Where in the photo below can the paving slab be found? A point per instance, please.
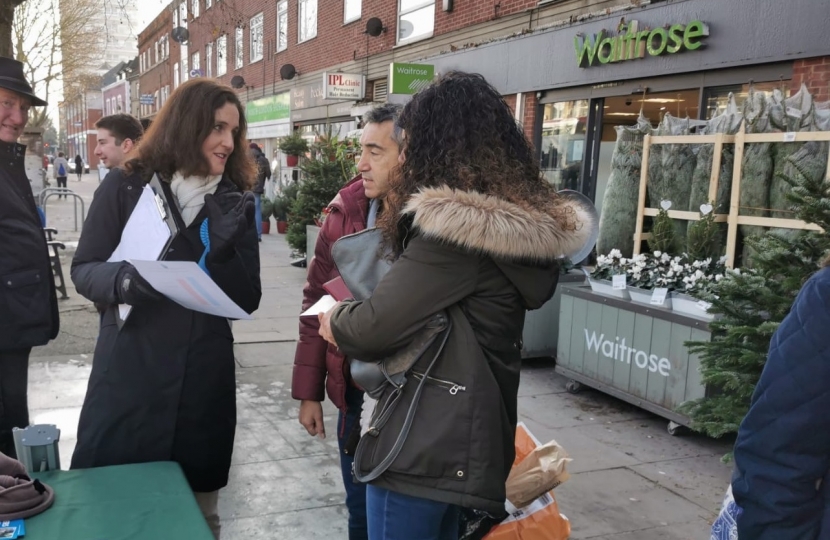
(618, 501)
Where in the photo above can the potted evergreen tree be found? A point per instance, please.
(267, 210)
(293, 146)
(282, 205)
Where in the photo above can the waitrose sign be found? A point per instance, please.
(269, 109)
(619, 351)
(409, 78)
(631, 43)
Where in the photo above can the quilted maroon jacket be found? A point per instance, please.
(318, 365)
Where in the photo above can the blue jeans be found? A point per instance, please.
(355, 491)
(394, 516)
(258, 214)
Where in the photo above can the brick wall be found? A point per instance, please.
(815, 73)
(466, 12)
(156, 75)
(336, 43)
(530, 108)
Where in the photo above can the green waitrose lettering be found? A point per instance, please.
(632, 43)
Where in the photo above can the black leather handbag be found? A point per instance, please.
(362, 264)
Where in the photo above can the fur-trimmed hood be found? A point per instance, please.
(496, 227)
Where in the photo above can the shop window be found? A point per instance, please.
(563, 142)
(209, 60)
(307, 24)
(716, 99)
(221, 55)
(416, 20)
(282, 25)
(351, 10)
(239, 50)
(256, 37)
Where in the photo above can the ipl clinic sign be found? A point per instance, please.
(344, 86)
(409, 78)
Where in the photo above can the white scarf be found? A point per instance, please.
(190, 193)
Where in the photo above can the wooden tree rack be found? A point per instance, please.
(733, 218)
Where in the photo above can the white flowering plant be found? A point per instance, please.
(609, 265)
(661, 270)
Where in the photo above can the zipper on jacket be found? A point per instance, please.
(451, 387)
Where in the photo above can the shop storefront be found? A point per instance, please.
(326, 105)
(683, 58)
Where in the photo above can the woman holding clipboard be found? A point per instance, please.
(163, 385)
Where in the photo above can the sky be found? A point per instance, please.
(149, 11)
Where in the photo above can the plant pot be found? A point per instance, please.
(291, 161)
(266, 227)
(691, 306)
(603, 286)
(282, 227)
(643, 296)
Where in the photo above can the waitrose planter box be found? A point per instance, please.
(541, 332)
(633, 352)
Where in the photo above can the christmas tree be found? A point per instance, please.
(703, 240)
(663, 237)
(753, 302)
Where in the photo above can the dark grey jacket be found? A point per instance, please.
(485, 261)
(28, 302)
(162, 387)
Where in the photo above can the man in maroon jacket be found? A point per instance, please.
(319, 366)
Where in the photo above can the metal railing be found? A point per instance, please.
(47, 193)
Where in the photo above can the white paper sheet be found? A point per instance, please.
(145, 235)
(188, 285)
(321, 306)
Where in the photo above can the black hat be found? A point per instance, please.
(11, 78)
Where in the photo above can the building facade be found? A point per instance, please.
(273, 51)
(158, 64)
(571, 70)
(79, 112)
(581, 77)
(115, 91)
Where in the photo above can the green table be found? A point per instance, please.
(145, 500)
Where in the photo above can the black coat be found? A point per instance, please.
(28, 302)
(485, 261)
(263, 172)
(163, 386)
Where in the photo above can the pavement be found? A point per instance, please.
(630, 480)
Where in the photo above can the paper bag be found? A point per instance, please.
(539, 472)
(540, 520)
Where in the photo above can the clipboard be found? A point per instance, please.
(165, 211)
(150, 220)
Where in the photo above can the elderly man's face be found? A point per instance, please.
(14, 114)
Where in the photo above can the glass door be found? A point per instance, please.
(564, 126)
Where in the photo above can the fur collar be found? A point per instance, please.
(494, 226)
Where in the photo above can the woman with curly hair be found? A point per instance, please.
(477, 233)
(163, 385)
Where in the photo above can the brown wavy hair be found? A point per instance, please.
(174, 140)
(460, 132)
